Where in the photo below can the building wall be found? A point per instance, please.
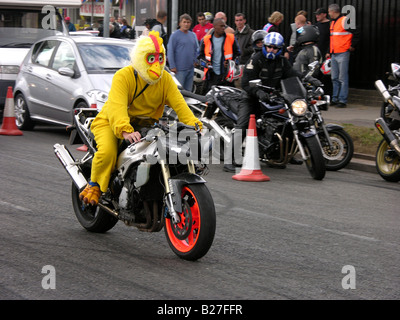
(377, 20)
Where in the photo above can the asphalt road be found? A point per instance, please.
(289, 238)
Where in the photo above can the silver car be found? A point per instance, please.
(61, 73)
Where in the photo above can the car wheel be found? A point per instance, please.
(22, 115)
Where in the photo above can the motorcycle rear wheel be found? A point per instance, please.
(387, 164)
(193, 236)
(93, 219)
(342, 152)
(315, 162)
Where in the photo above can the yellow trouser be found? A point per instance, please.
(104, 159)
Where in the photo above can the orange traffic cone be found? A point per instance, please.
(9, 127)
(251, 170)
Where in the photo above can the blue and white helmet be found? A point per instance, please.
(273, 39)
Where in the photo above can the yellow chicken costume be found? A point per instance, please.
(148, 60)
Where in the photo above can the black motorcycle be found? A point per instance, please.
(388, 152)
(337, 144)
(285, 127)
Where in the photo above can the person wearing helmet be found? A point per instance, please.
(307, 43)
(270, 66)
(257, 39)
(209, 17)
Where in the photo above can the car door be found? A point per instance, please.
(62, 86)
(35, 75)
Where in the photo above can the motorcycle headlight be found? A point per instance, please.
(100, 96)
(299, 107)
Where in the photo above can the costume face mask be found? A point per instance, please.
(148, 58)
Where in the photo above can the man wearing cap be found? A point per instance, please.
(71, 26)
(324, 33)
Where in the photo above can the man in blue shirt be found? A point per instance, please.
(182, 52)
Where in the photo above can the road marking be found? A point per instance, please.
(3, 203)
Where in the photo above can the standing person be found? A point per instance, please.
(71, 26)
(222, 15)
(343, 41)
(148, 24)
(137, 97)
(182, 52)
(274, 20)
(202, 27)
(127, 31)
(161, 19)
(323, 44)
(324, 33)
(300, 21)
(243, 35)
(217, 49)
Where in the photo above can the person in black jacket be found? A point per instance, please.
(270, 66)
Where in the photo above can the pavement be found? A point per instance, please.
(358, 115)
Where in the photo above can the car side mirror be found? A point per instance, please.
(66, 72)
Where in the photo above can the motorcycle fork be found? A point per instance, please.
(169, 192)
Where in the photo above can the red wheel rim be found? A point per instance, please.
(191, 208)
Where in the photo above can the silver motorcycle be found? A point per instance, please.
(156, 184)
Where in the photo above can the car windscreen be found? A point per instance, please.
(21, 28)
(104, 58)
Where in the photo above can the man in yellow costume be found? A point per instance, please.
(138, 92)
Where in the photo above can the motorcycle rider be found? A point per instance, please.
(307, 42)
(270, 66)
(137, 97)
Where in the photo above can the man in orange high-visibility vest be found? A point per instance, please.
(343, 40)
(216, 50)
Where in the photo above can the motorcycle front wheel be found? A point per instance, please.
(387, 162)
(315, 160)
(192, 237)
(342, 149)
(92, 218)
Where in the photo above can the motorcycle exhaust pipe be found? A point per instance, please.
(379, 85)
(70, 165)
(211, 123)
(387, 134)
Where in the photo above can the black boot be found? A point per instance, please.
(229, 168)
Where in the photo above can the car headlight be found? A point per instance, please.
(9, 69)
(299, 107)
(100, 96)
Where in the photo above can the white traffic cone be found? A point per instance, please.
(9, 127)
(251, 170)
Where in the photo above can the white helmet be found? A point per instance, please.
(326, 66)
(234, 71)
(209, 16)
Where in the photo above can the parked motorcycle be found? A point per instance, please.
(394, 90)
(149, 189)
(284, 127)
(337, 144)
(388, 152)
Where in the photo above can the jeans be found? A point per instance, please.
(185, 77)
(340, 76)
